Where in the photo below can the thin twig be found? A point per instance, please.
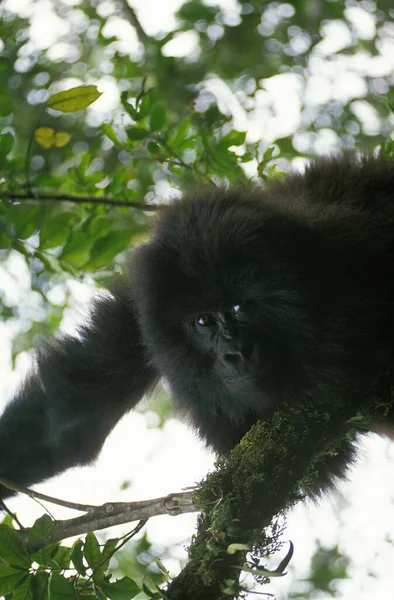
(11, 514)
(79, 200)
(185, 165)
(10, 485)
(132, 17)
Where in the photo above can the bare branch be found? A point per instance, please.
(102, 200)
(117, 513)
(107, 515)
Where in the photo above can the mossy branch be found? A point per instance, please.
(277, 464)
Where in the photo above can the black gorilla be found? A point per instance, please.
(241, 300)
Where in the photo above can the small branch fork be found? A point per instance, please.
(106, 515)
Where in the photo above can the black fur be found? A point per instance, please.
(81, 387)
(245, 300)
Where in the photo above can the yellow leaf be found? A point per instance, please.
(74, 99)
(45, 136)
(61, 139)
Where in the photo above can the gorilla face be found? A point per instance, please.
(227, 337)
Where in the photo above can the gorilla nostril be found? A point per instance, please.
(233, 358)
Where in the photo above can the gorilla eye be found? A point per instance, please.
(205, 320)
(241, 312)
(236, 310)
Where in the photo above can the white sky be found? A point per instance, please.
(161, 461)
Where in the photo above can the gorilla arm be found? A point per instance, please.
(80, 388)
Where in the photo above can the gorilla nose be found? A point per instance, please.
(233, 361)
(233, 358)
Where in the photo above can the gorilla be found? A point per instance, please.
(242, 300)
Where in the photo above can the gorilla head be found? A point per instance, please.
(225, 308)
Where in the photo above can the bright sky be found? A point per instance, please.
(161, 461)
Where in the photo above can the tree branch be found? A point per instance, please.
(106, 515)
(132, 17)
(117, 513)
(102, 200)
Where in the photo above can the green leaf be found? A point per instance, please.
(23, 216)
(158, 117)
(50, 262)
(110, 546)
(106, 554)
(178, 135)
(110, 133)
(61, 588)
(95, 177)
(20, 247)
(135, 133)
(100, 226)
(122, 589)
(62, 557)
(74, 99)
(163, 569)
(6, 105)
(9, 578)
(118, 182)
(39, 585)
(91, 550)
(99, 593)
(24, 591)
(283, 563)
(260, 572)
(43, 527)
(151, 594)
(77, 248)
(12, 548)
(153, 148)
(4, 63)
(234, 138)
(106, 248)
(128, 107)
(145, 105)
(6, 144)
(247, 157)
(278, 572)
(77, 557)
(5, 241)
(56, 229)
(233, 548)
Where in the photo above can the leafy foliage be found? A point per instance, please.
(56, 572)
